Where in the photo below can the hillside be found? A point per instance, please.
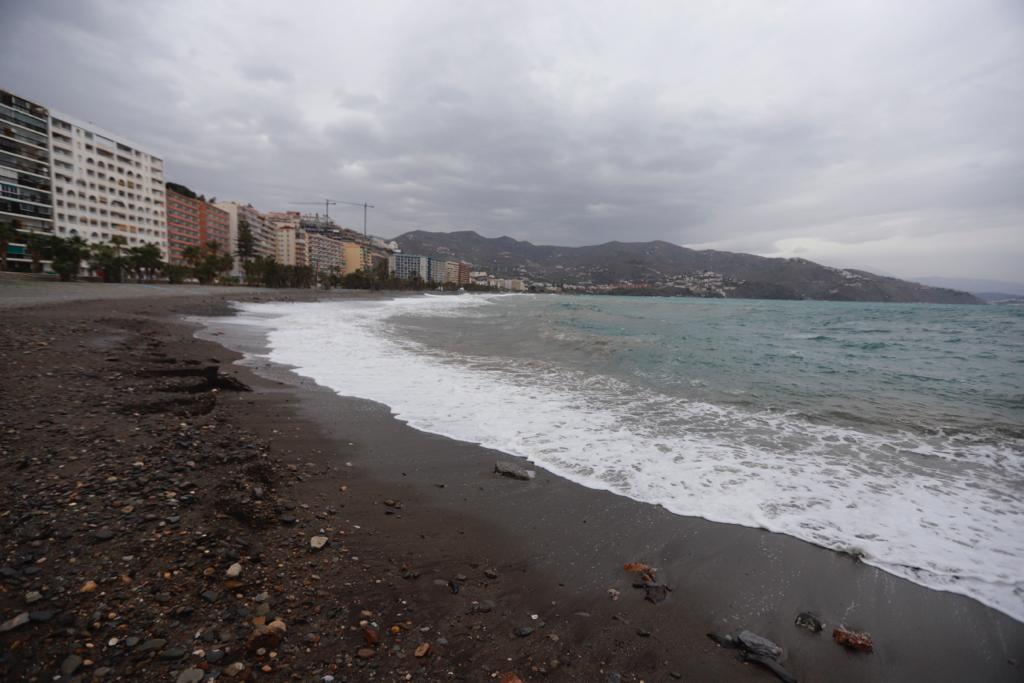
(660, 264)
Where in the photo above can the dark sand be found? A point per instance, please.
(556, 547)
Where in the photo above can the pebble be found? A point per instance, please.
(191, 676)
(317, 542)
(215, 656)
(523, 631)
(70, 664)
(234, 571)
(14, 622)
(173, 653)
(33, 596)
(152, 644)
(232, 670)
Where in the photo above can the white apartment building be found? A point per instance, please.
(105, 185)
(263, 233)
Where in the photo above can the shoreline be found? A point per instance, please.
(556, 548)
(830, 573)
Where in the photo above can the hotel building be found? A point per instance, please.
(105, 185)
(25, 181)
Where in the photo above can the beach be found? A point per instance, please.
(133, 483)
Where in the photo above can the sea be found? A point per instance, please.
(894, 432)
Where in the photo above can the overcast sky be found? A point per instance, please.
(885, 135)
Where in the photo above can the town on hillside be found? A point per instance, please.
(79, 200)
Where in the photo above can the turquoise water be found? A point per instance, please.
(895, 432)
(937, 368)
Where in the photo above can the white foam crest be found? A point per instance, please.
(895, 499)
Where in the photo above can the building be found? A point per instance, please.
(451, 272)
(26, 192)
(325, 253)
(465, 269)
(193, 222)
(182, 225)
(356, 256)
(214, 225)
(105, 186)
(435, 270)
(405, 266)
(263, 233)
(291, 247)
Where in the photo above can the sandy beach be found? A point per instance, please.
(157, 520)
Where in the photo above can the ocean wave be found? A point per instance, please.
(940, 511)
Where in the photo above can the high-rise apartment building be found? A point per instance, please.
(465, 269)
(451, 272)
(291, 245)
(105, 185)
(193, 221)
(404, 266)
(263, 233)
(357, 257)
(326, 254)
(25, 181)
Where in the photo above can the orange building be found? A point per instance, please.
(193, 222)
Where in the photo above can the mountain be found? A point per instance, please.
(665, 267)
(974, 285)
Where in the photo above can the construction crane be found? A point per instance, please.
(327, 205)
(331, 202)
(365, 207)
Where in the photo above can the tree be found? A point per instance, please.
(207, 262)
(106, 262)
(8, 233)
(144, 260)
(38, 245)
(246, 248)
(68, 255)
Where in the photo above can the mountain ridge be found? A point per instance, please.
(660, 267)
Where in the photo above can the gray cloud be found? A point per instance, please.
(878, 135)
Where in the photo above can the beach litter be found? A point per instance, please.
(854, 640)
(809, 621)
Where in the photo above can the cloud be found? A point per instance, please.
(865, 134)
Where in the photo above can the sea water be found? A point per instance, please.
(891, 431)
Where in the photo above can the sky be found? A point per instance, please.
(880, 135)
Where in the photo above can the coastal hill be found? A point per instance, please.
(662, 266)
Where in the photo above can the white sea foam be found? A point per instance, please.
(945, 514)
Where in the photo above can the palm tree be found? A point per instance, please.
(68, 255)
(8, 233)
(145, 260)
(118, 241)
(37, 245)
